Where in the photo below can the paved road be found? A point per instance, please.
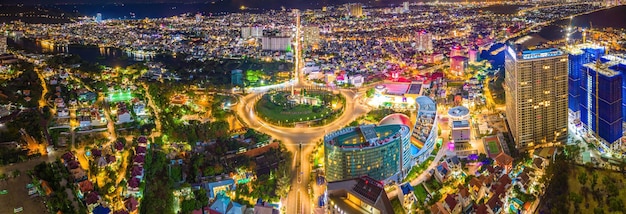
(298, 199)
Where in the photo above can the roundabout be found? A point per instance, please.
(302, 108)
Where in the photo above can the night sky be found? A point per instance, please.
(243, 2)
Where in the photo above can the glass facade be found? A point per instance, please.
(349, 154)
(425, 131)
(577, 58)
(601, 105)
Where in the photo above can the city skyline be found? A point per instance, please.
(298, 107)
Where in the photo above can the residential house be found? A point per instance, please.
(505, 161)
(494, 204)
(454, 164)
(264, 208)
(438, 208)
(538, 163)
(442, 171)
(464, 196)
(451, 204)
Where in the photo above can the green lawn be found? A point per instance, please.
(433, 185)
(176, 173)
(493, 147)
(120, 96)
(270, 111)
(397, 206)
(420, 192)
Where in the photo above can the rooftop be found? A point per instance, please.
(460, 124)
(427, 111)
(610, 68)
(397, 118)
(366, 189)
(532, 47)
(366, 135)
(458, 111)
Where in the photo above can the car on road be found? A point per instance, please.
(4, 192)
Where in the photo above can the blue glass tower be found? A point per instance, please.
(578, 56)
(601, 100)
(574, 75)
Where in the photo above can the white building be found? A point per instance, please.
(124, 117)
(271, 43)
(254, 32)
(424, 41)
(99, 17)
(356, 80)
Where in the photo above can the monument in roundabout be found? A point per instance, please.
(305, 107)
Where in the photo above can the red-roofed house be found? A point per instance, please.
(494, 204)
(438, 208)
(131, 204)
(452, 204)
(505, 161)
(85, 186)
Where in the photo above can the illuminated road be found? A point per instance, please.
(298, 199)
(292, 137)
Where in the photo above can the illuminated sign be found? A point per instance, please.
(542, 54)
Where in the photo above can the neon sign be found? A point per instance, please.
(542, 54)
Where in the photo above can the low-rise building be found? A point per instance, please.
(357, 194)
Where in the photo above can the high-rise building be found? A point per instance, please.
(248, 32)
(98, 17)
(381, 152)
(198, 17)
(578, 56)
(311, 35)
(458, 65)
(472, 55)
(275, 43)
(456, 50)
(424, 41)
(405, 6)
(425, 131)
(601, 101)
(356, 10)
(536, 92)
(3, 44)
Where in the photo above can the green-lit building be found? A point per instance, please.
(381, 152)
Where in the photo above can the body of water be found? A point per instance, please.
(114, 57)
(613, 17)
(111, 57)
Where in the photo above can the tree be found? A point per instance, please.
(187, 206)
(582, 178)
(598, 210)
(370, 92)
(283, 183)
(616, 204)
(201, 197)
(16, 173)
(594, 180)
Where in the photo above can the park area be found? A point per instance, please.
(279, 109)
(595, 191)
